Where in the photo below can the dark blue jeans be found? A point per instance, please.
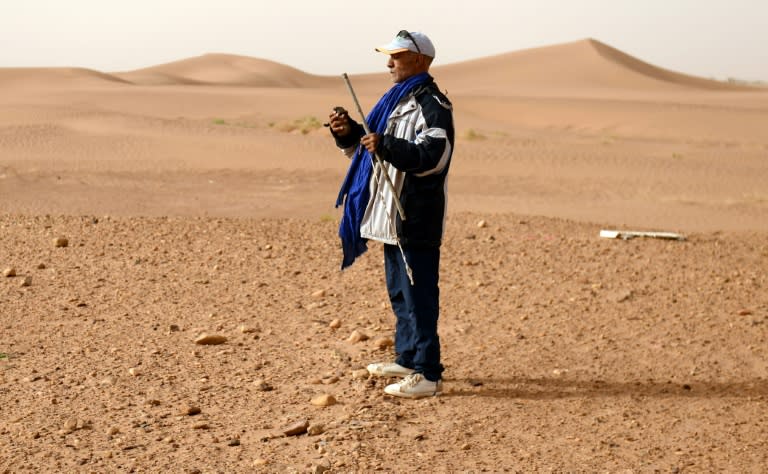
(416, 307)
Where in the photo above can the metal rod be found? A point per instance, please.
(379, 161)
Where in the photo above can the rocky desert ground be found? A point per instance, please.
(171, 299)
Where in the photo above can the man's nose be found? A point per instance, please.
(390, 62)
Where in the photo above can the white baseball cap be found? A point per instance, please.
(409, 41)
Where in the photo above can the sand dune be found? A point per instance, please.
(224, 70)
(582, 64)
(56, 77)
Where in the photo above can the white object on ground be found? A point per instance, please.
(630, 234)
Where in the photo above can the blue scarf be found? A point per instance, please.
(355, 186)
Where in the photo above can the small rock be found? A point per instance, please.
(134, 371)
(322, 468)
(202, 425)
(318, 294)
(383, 343)
(247, 329)
(360, 374)
(70, 425)
(190, 410)
(482, 224)
(357, 336)
(315, 430)
(9, 272)
(745, 312)
(262, 386)
(260, 462)
(113, 431)
(324, 400)
(295, 429)
(210, 339)
(41, 266)
(335, 324)
(465, 447)
(174, 328)
(233, 442)
(27, 281)
(60, 242)
(330, 380)
(622, 296)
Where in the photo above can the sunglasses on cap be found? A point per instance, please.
(404, 34)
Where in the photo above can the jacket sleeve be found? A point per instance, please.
(430, 152)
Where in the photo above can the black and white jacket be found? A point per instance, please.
(416, 149)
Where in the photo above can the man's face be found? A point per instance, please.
(406, 64)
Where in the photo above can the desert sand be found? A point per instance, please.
(196, 198)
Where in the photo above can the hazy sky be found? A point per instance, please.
(710, 38)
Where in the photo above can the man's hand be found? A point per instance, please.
(339, 122)
(370, 142)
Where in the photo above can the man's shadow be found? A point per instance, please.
(563, 387)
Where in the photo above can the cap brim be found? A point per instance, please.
(391, 51)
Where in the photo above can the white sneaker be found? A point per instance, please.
(388, 369)
(415, 386)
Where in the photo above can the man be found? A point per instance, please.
(412, 133)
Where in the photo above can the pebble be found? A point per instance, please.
(70, 425)
(315, 430)
(260, 462)
(622, 296)
(300, 427)
(190, 410)
(27, 281)
(318, 294)
(60, 242)
(210, 339)
(233, 442)
(247, 329)
(262, 386)
(335, 324)
(134, 371)
(357, 336)
(324, 400)
(482, 224)
(9, 272)
(201, 426)
(113, 431)
(384, 343)
(360, 374)
(174, 328)
(41, 266)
